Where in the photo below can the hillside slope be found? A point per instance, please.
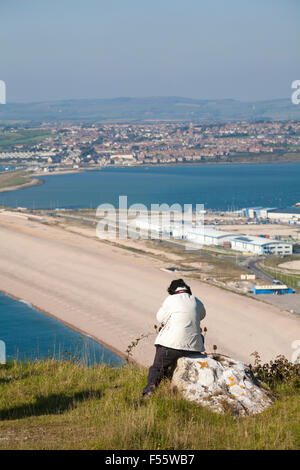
(61, 405)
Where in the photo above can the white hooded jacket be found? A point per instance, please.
(181, 315)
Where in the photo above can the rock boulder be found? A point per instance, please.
(221, 385)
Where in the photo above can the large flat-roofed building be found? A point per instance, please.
(244, 243)
(254, 212)
(261, 246)
(273, 213)
(207, 236)
(288, 214)
(210, 236)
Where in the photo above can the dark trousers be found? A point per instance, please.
(164, 358)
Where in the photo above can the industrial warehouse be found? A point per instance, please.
(210, 236)
(289, 215)
(244, 243)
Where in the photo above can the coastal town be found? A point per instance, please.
(61, 146)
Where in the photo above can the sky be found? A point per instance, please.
(207, 49)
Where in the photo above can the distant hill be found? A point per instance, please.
(152, 108)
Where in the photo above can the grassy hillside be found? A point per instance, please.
(61, 405)
(26, 137)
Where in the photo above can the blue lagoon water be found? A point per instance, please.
(220, 187)
(30, 334)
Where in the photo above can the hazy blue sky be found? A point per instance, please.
(61, 49)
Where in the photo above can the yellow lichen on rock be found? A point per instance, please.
(203, 364)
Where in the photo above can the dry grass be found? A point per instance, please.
(14, 178)
(17, 180)
(270, 265)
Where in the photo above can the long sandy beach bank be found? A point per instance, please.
(113, 294)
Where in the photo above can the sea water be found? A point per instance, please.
(29, 334)
(222, 187)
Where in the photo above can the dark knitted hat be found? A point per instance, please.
(180, 285)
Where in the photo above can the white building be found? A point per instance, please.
(285, 215)
(251, 244)
(210, 236)
(260, 245)
(207, 236)
(272, 213)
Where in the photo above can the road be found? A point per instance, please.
(252, 265)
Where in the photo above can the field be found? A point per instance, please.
(15, 178)
(62, 405)
(25, 137)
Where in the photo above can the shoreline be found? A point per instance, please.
(72, 327)
(193, 163)
(165, 165)
(38, 182)
(32, 183)
(55, 173)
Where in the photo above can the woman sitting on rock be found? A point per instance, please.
(180, 335)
